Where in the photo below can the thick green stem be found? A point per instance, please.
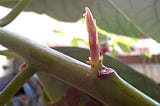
(109, 90)
(15, 85)
(14, 12)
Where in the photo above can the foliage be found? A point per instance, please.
(79, 42)
(123, 17)
(144, 14)
(72, 10)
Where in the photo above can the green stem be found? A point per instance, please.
(111, 89)
(14, 12)
(11, 89)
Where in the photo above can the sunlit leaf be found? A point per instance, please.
(60, 32)
(78, 42)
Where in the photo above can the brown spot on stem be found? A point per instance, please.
(22, 66)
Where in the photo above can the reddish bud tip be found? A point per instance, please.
(93, 38)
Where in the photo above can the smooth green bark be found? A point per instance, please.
(12, 88)
(110, 90)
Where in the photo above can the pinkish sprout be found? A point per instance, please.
(95, 59)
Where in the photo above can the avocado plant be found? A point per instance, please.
(66, 80)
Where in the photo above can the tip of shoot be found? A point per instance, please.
(95, 59)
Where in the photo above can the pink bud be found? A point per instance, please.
(93, 39)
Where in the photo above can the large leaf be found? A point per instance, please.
(108, 17)
(136, 79)
(145, 13)
(142, 13)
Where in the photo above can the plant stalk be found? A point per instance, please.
(16, 83)
(109, 90)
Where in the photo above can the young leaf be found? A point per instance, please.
(95, 59)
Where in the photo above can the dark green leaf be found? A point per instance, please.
(127, 17)
(144, 13)
(107, 16)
